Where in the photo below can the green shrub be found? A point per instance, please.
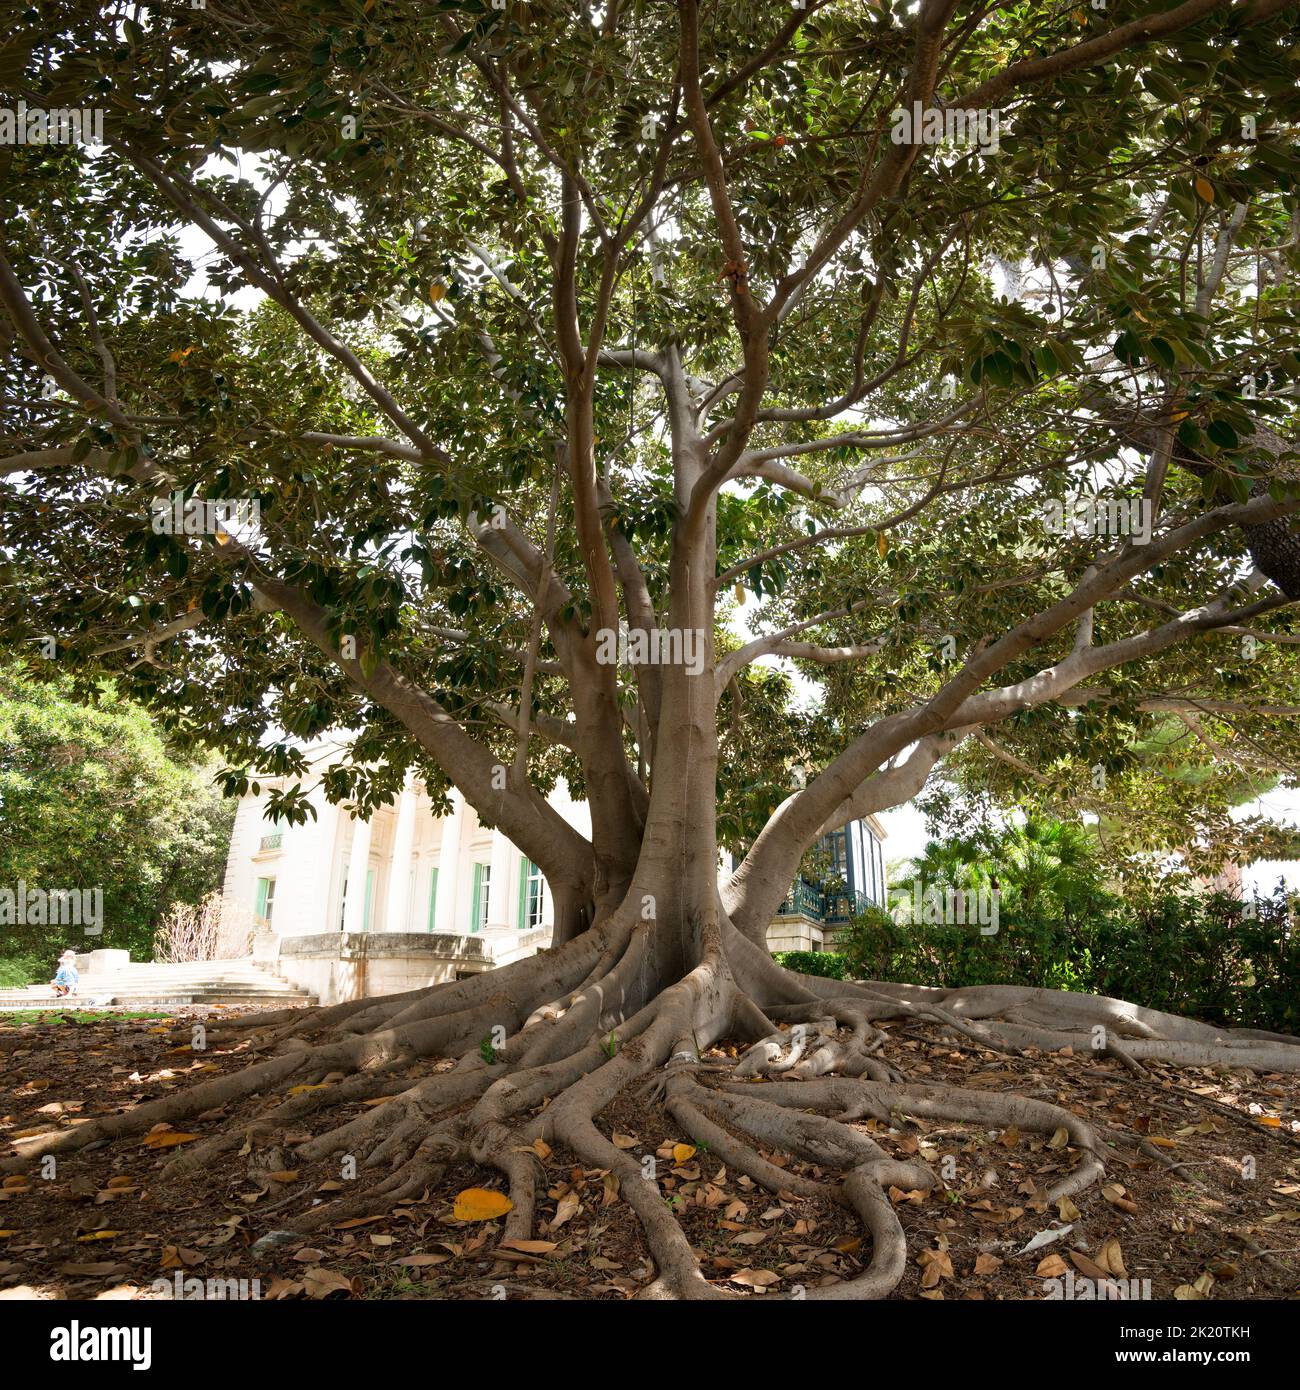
(31, 969)
(1206, 955)
(830, 964)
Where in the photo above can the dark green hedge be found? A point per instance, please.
(1205, 955)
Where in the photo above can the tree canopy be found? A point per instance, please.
(942, 352)
(501, 313)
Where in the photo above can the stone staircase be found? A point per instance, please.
(229, 982)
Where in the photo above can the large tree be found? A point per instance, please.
(527, 324)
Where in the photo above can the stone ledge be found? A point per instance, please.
(384, 945)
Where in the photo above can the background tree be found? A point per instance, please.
(95, 796)
(1038, 867)
(526, 324)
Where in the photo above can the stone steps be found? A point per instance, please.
(236, 982)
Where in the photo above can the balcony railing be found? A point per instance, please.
(805, 900)
(270, 842)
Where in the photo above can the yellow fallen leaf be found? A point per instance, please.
(624, 1141)
(1205, 192)
(1271, 1121)
(168, 1139)
(480, 1204)
(1111, 1258)
(1087, 1266)
(437, 292)
(99, 1235)
(566, 1209)
(681, 1152)
(302, 1090)
(8, 1233)
(287, 1175)
(1114, 1193)
(1161, 1142)
(322, 1283)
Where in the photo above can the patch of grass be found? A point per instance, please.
(13, 1020)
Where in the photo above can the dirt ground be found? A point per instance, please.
(1222, 1223)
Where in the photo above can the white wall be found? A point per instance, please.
(310, 866)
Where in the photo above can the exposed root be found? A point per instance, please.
(543, 1047)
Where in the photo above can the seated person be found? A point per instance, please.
(66, 978)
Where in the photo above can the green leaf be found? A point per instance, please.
(1222, 434)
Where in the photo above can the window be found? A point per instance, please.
(857, 878)
(265, 902)
(274, 838)
(433, 894)
(530, 895)
(478, 917)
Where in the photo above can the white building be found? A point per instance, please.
(348, 907)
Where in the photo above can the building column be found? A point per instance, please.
(399, 870)
(503, 886)
(444, 909)
(308, 851)
(354, 911)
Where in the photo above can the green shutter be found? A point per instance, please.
(370, 888)
(475, 912)
(433, 894)
(263, 888)
(525, 867)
